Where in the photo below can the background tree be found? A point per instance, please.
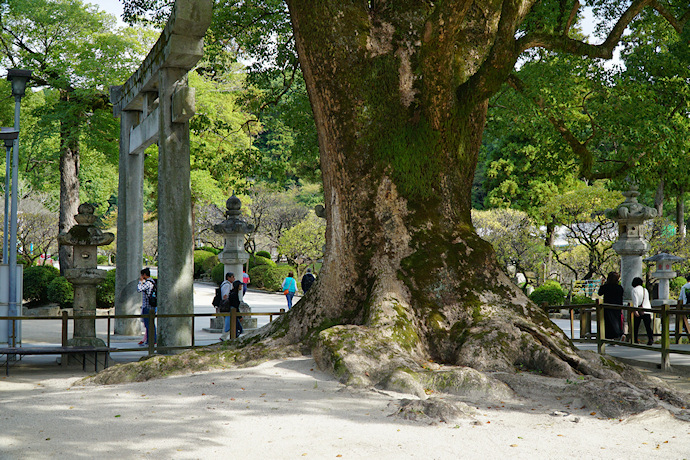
(581, 213)
(36, 231)
(516, 239)
(205, 217)
(625, 122)
(273, 212)
(150, 242)
(303, 243)
(74, 51)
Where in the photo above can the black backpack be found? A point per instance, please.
(307, 281)
(217, 299)
(153, 298)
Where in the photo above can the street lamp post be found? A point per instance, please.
(8, 135)
(18, 78)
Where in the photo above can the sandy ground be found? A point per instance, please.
(289, 409)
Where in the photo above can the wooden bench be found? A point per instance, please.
(53, 350)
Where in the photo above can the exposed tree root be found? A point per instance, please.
(508, 360)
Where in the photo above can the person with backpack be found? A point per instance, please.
(307, 280)
(149, 300)
(230, 299)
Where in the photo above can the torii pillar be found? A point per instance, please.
(155, 105)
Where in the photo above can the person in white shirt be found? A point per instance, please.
(684, 297)
(640, 297)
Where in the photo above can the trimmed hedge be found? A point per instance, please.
(265, 254)
(209, 264)
(268, 277)
(210, 249)
(217, 274)
(105, 291)
(255, 261)
(199, 258)
(61, 292)
(549, 292)
(36, 281)
(675, 285)
(581, 300)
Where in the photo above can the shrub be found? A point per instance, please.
(265, 254)
(209, 264)
(101, 259)
(61, 292)
(675, 285)
(258, 275)
(209, 249)
(24, 260)
(217, 274)
(268, 277)
(549, 292)
(581, 300)
(199, 258)
(255, 261)
(36, 280)
(105, 291)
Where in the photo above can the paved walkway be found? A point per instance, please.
(49, 333)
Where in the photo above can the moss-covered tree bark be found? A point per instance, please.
(399, 92)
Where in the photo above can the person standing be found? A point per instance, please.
(612, 292)
(640, 297)
(225, 288)
(289, 288)
(147, 288)
(684, 298)
(245, 282)
(307, 280)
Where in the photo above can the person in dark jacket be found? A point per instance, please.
(307, 280)
(235, 304)
(612, 292)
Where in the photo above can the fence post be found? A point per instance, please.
(665, 338)
(601, 332)
(64, 327)
(585, 323)
(193, 317)
(233, 323)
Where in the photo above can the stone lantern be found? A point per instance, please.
(631, 246)
(664, 273)
(85, 238)
(234, 256)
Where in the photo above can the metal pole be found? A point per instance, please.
(13, 217)
(6, 223)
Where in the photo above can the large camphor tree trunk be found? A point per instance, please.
(400, 97)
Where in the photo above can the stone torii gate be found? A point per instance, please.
(155, 105)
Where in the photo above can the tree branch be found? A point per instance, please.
(580, 48)
(571, 18)
(677, 24)
(580, 149)
(503, 56)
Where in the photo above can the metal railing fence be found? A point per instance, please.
(664, 312)
(153, 347)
